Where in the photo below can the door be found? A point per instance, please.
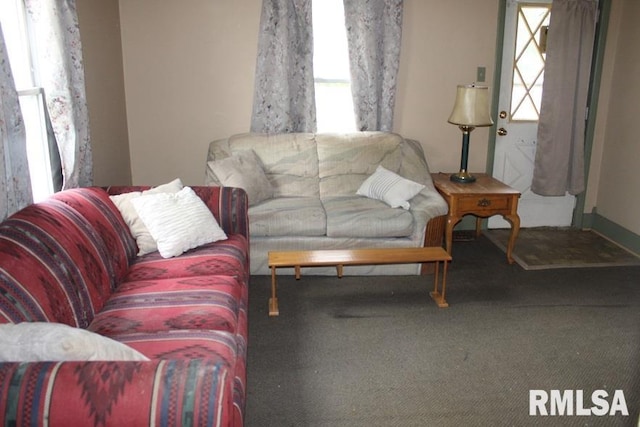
(520, 92)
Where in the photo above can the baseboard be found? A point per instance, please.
(612, 231)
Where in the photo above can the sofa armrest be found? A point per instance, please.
(415, 168)
(158, 392)
(433, 208)
(430, 201)
(229, 205)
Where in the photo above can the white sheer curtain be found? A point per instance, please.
(284, 99)
(54, 29)
(374, 33)
(559, 162)
(15, 182)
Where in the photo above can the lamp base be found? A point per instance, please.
(463, 177)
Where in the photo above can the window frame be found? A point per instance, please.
(42, 150)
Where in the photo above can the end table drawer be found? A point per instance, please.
(483, 203)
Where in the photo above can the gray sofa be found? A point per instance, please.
(303, 188)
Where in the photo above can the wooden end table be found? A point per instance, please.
(483, 198)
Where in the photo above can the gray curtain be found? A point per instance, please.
(15, 182)
(374, 33)
(559, 162)
(284, 99)
(54, 29)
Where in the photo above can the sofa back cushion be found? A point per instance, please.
(346, 160)
(110, 228)
(290, 161)
(53, 267)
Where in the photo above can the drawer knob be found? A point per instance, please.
(483, 203)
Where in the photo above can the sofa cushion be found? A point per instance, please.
(355, 216)
(178, 221)
(288, 216)
(201, 302)
(346, 161)
(47, 341)
(290, 161)
(244, 170)
(225, 257)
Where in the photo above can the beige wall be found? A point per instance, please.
(189, 73)
(443, 43)
(102, 53)
(189, 68)
(617, 137)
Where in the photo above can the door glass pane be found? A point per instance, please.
(528, 67)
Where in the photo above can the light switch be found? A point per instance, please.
(481, 74)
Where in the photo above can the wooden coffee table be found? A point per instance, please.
(340, 258)
(483, 198)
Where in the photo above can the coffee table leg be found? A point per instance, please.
(436, 295)
(273, 301)
(444, 285)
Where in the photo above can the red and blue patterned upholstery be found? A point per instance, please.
(178, 392)
(72, 259)
(105, 219)
(52, 267)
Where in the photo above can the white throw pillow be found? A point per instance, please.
(390, 188)
(178, 221)
(146, 243)
(56, 342)
(244, 170)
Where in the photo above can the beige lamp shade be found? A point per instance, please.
(471, 107)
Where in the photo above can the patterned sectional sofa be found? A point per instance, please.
(303, 194)
(72, 260)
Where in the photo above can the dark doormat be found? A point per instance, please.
(549, 247)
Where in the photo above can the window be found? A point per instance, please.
(530, 56)
(334, 103)
(31, 96)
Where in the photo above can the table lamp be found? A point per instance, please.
(471, 110)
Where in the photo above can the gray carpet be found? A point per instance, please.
(376, 351)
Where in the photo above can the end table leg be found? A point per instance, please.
(273, 301)
(478, 226)
(514, 220)
(448, 232)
